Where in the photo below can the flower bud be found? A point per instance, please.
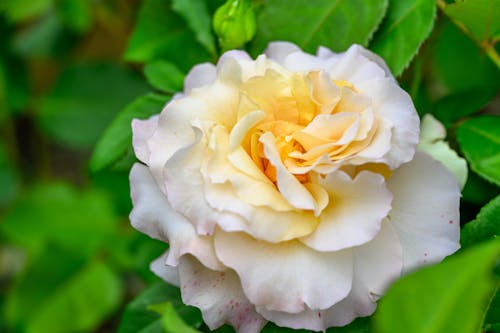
(234, 23)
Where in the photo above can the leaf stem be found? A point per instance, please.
(488, 48)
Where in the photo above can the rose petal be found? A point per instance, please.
(425, 211)
(219, 297)
(376, 264)
(166, 272)
(354, 215)
(395, 106)
(291, 189)
(287, 276)
(199, 76)
(153, 215)
(357, 65)
(142, 130)
(278, 51)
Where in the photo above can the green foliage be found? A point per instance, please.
(479, 139)
(310, 24)
(162, 34)
(439, 298)
(9, 179)
(116, 141)
(140, 317)
(480, 17)
(452, 52)
(196, 14)
(164, 76)
(20, 10)
(76, 296)
(407, 24)
(485, 227)
(234, 24)
(57, 213)
(85, 100)
(75, 14)
(170, 320)
(456, 106)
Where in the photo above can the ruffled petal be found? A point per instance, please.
(165, 272)
(376, 264)
(142, 130)
(357, 65)
(425, 211)
(218, 295)
(199, 76)
(291, 189)
(153, 215)
(354, 215)
(278, 51)
(287, 276)
(395, 106)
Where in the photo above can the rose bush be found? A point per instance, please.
(289, 188)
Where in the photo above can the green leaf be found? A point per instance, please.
(195, 12)
(61, 293)
(164, 76)
(443, 298)
(480, 17)
(82, 303)
(407, 24)
(170, 320)
(486, 226)
(479, 139)
(117, 139)
(478, 191)
(455, 106)
(79, 222)
(480, 73)
(492, 320)
(161, 34)
(138, 318)
(85, 100)
(311, 23)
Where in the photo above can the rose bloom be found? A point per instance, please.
(289, 188)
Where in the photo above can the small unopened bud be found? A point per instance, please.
(234, 23)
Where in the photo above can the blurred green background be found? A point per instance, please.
(74, 72)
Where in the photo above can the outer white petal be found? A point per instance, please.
(185, 183)
(376, 264)
(425, 211)
(142, 130)
(153, 215)
(287, 276)
(278, 51)
(166, 272)
(219, 297)
(357, 65)
(300, 61)
(199, 76)
(396, 107)
(354, 215)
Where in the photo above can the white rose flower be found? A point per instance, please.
(289, 189)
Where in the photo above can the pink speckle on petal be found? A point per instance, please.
(425, 254)
(319, 314)
(450, 221)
